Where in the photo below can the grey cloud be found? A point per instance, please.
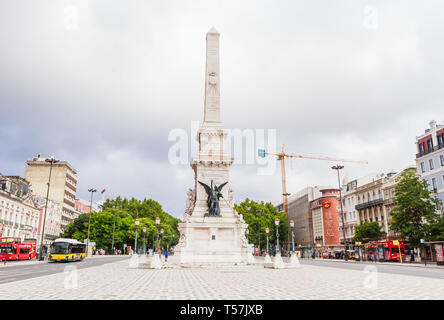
(104, 96)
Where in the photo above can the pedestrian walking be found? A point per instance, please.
(166, 255)
(412, 256)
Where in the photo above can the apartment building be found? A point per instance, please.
(63, 184)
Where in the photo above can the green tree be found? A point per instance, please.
(437, 230)
(414, 212)
(368, 231)
(260, 216)
(123, 213)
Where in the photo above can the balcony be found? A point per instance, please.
(369, 204)
(425, 152)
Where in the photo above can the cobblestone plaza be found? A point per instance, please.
(116, 280)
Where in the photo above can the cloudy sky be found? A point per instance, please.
(101, 84)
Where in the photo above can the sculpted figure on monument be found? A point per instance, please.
(214, 194)
(190, 201)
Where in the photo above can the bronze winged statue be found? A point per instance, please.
(214, 194)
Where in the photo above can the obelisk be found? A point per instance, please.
(205, 238)
(212, 83)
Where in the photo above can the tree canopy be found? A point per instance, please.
(122, 213)
(368, 231)
(415, 210)
(259, 216)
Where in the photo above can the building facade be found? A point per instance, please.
(63, 184)
(351, 217)
(84, 206)
(18, 213)
(370, 202)
(430, 159)
(53, 220)
(299, 211)
(324, 211)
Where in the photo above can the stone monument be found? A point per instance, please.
(211, 231)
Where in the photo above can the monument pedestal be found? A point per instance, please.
(213, 240)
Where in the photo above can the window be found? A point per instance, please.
(422, 167)
(431, 164)
(434, 184)
(429, 145)
(440, 139)
(421, 147)
(441, 157)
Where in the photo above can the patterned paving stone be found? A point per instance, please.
(118, 281)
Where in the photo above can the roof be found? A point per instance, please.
(73, 241)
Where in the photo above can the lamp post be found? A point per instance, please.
(51, 162)
(161, 239)
(267, 231)
(114, 227)
(136, 222)
(157, 231)
(292, 236)
(276, 222)
(144, 243)
(337, 168)
(89, 220)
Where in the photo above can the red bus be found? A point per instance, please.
(386, 250)
(12, 248)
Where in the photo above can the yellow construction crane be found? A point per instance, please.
(282, 155)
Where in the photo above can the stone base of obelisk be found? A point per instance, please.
(213, 241)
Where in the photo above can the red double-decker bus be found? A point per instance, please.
(387, 251)
(12, 248)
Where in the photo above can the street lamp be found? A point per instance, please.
(276, 222)
(267, 231)
(136, 222)
(337, 168)
(161, 239)
(292, 236)
(144, 243)
(157, 231)
(51, 162)
(114, 227)
(89, 221)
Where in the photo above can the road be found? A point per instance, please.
(395, 268)
(23, 271)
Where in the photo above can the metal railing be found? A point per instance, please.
(433, 149)
(369, 204)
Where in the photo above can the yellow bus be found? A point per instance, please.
(67, 250)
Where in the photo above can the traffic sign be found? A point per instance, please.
(395, 242)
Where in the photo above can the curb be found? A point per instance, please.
(406, 264)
